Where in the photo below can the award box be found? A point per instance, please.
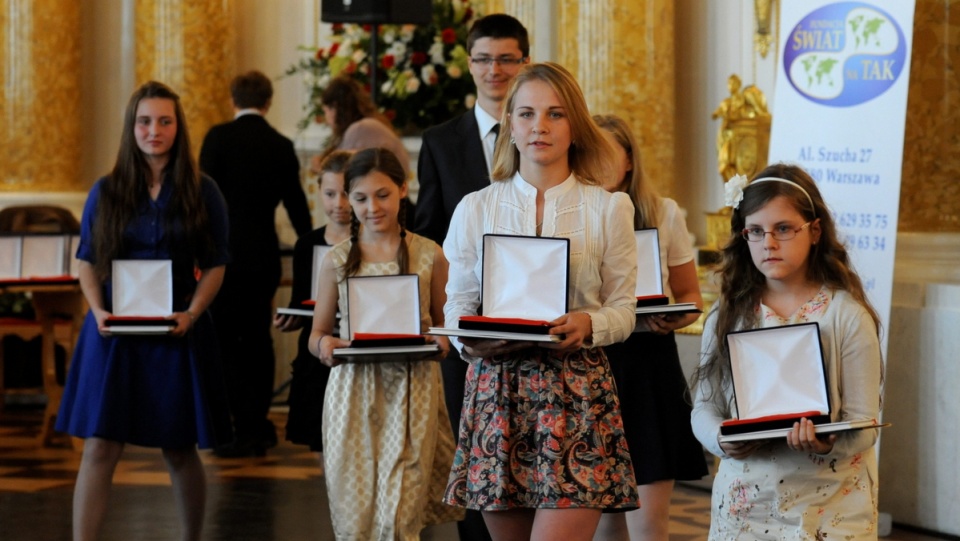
(319, 252)
(649, 291)
(35, 258)
(142, 296)
(383, 320)
(524, 284)
(778, 377)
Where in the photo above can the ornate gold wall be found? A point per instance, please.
(623, 55)
(930, 189)
(189, 45)
(39, 95)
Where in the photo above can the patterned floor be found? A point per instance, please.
(280, 496)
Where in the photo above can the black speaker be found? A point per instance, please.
(376, 11)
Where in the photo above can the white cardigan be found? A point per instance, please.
(851, 351)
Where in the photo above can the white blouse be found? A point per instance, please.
(603, 253)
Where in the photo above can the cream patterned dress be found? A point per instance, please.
(386, 435)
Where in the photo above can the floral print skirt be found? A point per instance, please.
(541, 429)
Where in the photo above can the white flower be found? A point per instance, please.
(406, 32)
(429, 74)
(733, 191)
(454, 71)
(359, 55)
(470, 101)
(398, 50)
(436, 52)
(413, 84)
(386, 88)
(389, 35)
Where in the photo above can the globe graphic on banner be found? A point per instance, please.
(844, 54)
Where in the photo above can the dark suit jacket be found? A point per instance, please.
(450, 166)
(256, 168)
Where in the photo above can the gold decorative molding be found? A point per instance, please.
(762, 36)
(190, 46)
(930, 189)
(622, 53)
(39, 95)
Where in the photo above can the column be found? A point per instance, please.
(39, 95)
(930, 192)
(190, 46)
(622, 53)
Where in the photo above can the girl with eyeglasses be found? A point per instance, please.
(784, 264)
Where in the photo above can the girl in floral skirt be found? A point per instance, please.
(541, 449)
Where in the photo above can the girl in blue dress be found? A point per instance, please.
(151, 391)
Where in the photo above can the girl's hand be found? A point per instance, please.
(441, 341)
(804, 438)
(576, 329)
(660, 323)
(287, 322)
(741, 449)
(101, 315)
(327, 344)
(485, 348)
(184, 322)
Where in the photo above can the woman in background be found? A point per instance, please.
(654, 397)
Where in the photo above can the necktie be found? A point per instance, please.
(496, 133)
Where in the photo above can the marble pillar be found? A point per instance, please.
(39, 95)
(930, 190)
(190, 46)
(622, 53)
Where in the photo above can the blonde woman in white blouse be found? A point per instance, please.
(541, 449)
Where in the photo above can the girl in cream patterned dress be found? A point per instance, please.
(386, 438)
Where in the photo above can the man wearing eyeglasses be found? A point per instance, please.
(457, 156)
(456, 159)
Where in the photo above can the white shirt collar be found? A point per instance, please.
(485, 121)
(525, 187)
(248, 111)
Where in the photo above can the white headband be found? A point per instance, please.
(733, 189)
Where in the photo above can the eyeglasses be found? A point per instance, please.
(486, 61)
(781, 232)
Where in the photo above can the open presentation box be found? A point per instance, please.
(778, 378)
(306, 307)
(650, 295)
(524, 285)
(383, 320)
(142, 297)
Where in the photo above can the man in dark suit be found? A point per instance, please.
(456, 159)
(256, 168)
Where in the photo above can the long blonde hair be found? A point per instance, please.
(590, 153)
(646, 202)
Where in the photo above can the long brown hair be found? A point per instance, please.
(742, 284)
(125, 188)
(351, 103)
(646, 202)
(590, 152)
(360, 165)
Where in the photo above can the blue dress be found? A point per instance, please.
(152, 391)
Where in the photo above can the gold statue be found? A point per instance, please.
(744, 137)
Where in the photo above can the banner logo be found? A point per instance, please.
(844, 54)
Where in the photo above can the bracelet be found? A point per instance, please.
(190, 315)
